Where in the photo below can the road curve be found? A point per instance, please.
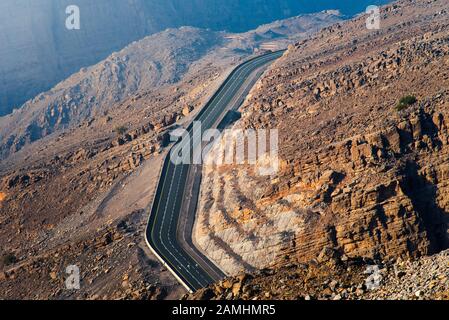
(190, 268)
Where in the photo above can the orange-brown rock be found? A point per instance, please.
(360, 178)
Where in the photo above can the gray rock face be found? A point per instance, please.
(37, 51)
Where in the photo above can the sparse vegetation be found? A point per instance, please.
(406, 102)
(8, 259)
(120, 130)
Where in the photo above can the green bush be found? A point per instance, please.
(405, 102)
(9, 259)
(121, 130)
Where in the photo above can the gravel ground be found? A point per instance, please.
(426, 278)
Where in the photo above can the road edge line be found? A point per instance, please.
(182, 282)
(153, 250)
(149, 208)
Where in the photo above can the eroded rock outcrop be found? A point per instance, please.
(358, 178)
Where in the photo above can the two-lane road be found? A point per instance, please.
(162, 234)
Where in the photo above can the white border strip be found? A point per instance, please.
(185, 285)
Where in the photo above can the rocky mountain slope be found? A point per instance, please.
(142, 68)
(363, 179)
(424, 279)
(77, 195)
(38, 51)
(364, 154)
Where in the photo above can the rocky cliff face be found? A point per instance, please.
(38, 51)
(360, 177)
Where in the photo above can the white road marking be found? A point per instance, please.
(254, 64)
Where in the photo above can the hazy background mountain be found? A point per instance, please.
(37, 50)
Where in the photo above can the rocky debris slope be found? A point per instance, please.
(424, 279)
(359, 175)
(53, 219)
(115, 252)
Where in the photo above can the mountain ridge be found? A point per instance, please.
(38, 51)
(144, 66)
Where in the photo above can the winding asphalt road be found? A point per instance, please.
(193, 270)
